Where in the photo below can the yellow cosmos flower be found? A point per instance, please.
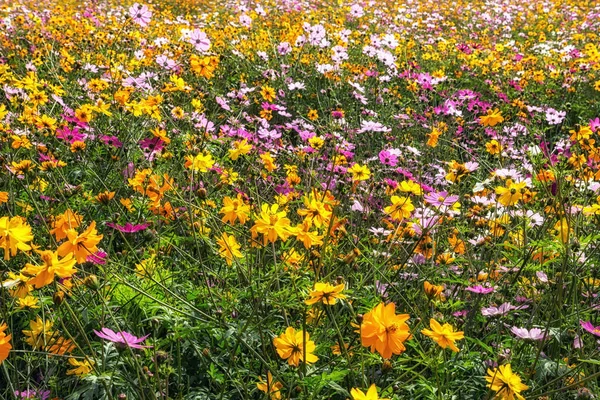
(444, 335)
(326, 293)
(359, 172)
(292, 346)
(505, 383)
(80, 367)
(14, 235)
(492, 118)
(371, 394)
(401, 208)
(229, 248)
(199, 163)
(5, 345)
(273, 224)
(270, 387)
(43, 275)
(81, 245)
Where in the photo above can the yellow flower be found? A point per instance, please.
(28, 301)
(410, 187)
(444, 335)
(433, 291)
(81, 367)
(401, 208)
(359, 172)
(505, 383)
(326, 293)
(512, 193)
(5, 345)
(234, 209)
(240, 147)
(267, 93)
(14, 233)
(492, 118)
(493, 147)
(292, 346)
(270, 387)
(229, 248)
(384, 331)
(40, 334)
(273, 224)
(316, 212)
(44, 274)
(371, 394)
(313, 115)
(199, 163)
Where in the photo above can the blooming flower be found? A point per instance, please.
(128, 227)
(14, 235)
(273, 224)
(505, 383)
(371, 394)
(292, 346)
(122, 338)
(385, 331)
(53, 265)
(140, 14)
(326, 293)
(444, 335)
(401, 208)
(81, 244)
(83, 367)
(594, 330)
(533, 334)
(5, 345)
(229, 248)
(270, 387)
(492, 118)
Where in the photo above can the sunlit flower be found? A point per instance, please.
(14, 235)
(371, 394)
(270, 387)
(292, 346)
(444, 335)
(384, 331)
(505, 383)
(326, 293)
(5, 345)
(122, 338)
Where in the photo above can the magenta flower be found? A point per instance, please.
(128, 227)
(140, 14)
(523, 333)
(388, 158)
(111, 141)
(594, 330)
(122, 338)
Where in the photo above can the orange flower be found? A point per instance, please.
(5, 345)
(270, 387)
(385, 331)
(44, 274)
(81, 245)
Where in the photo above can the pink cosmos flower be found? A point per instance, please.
(140, 14)
(440, 199)
(523, 333)
(122, 338)
(388, 158)
(480, 289)
(199, 39)
(594, 330)
(128, 227)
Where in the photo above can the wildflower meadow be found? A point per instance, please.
(299, 199)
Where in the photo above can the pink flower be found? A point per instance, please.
(199, 39)
(123, 338)
(440, 199)
(594, 330)
(480, 289)
(388, 158)
(533, 334)
(128, 227)
(140, 14)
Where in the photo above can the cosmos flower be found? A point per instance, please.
(140, 14)
(384, 331)
(444, 335)
(128, 227)
(292, 346)
(371, 394)
(122, 338)
(505, 383)
(587, 325)
(523, 333)
(326, 292)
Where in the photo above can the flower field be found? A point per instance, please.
(299, 199)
